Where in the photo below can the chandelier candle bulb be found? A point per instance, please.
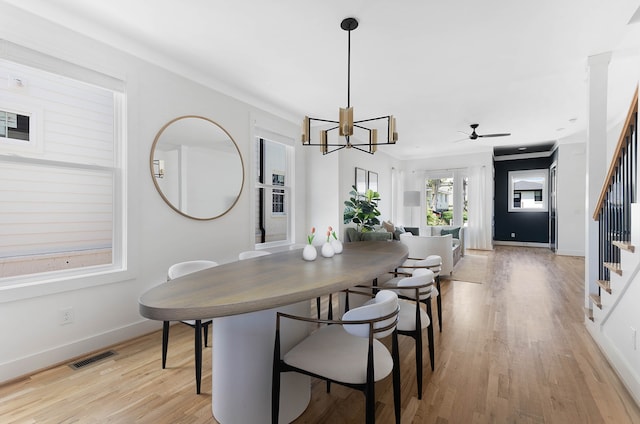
(306, 128)
(374, 140)
(346, 121)
(393, 135)
(323, 141)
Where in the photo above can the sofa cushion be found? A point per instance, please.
(376, 236)
(353, 235)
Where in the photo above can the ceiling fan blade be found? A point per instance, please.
(494, 135)
(462, 139)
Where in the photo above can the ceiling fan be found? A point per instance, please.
(474, 135)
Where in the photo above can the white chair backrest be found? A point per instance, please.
(423, 246)
(433, 262)
(184, 268)
(385, 303)
(252, 254)
(420, 277)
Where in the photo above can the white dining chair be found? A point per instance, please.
(347, 352)
(200, 326)
(413, 291)
(432, 263)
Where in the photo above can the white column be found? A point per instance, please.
(596, 167)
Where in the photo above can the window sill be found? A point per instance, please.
(15, 289)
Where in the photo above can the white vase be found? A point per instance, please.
(309, 253)
(337, 246)
(327, 250)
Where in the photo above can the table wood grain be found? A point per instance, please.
(268, 282)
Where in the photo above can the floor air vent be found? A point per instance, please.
(92, 359)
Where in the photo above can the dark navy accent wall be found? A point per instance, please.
(532, 227)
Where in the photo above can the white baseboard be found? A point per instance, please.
(570, 252)
(41, 360)
(519, 243)
(622, 368)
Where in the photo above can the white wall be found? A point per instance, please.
(323, 193)
(380, 163)
(571, 173)
(107, 312)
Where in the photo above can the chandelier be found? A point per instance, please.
(336, 137)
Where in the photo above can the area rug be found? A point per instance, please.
(471, 269)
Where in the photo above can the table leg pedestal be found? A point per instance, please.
(242, 367)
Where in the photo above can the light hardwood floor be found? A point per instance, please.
(512, 350)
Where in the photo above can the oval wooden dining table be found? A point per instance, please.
(243, 298)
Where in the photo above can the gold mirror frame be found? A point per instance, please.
(158, 173)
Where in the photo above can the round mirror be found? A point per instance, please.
(197, 167)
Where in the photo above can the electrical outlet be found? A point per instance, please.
(513, 235)
(66, 316)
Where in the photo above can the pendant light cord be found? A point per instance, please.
(349, 69)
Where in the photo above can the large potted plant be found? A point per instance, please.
(362, 209)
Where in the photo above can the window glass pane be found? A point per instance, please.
(439, 195)
(527, 190)
(272, 192)
(465, 199)
(14, 125)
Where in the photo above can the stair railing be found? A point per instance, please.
(613, 210)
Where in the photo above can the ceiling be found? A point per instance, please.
(512, 67)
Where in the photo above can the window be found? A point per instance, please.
(273, 192)
(59, 188)
(528, 191)
(439, 192)
(14, 126)
(446, 194)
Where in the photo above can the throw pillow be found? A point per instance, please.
(388, 226)
(455, 232)
(397, 232)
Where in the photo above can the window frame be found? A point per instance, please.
(532, 174)
(32, 285)
(288, 188)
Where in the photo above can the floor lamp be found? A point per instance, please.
(412, 200)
